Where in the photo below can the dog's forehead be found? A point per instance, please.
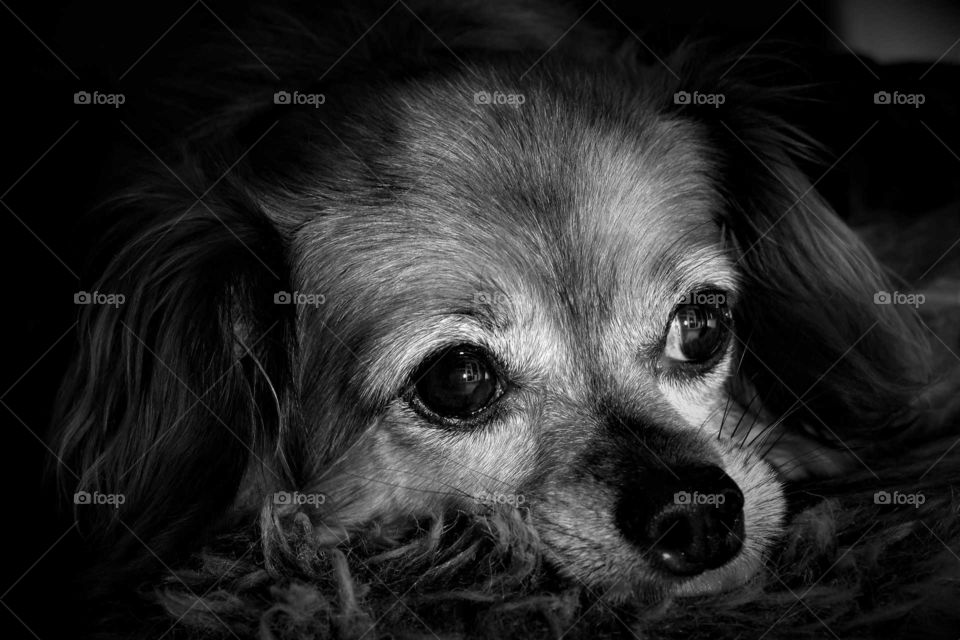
(559, 190)
(552, 196)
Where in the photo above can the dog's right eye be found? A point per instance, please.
(459, 382)
(699, 330)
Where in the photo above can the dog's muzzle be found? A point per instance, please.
(684, 522)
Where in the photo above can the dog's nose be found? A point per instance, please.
(684, 523)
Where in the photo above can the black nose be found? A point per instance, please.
(684, 524)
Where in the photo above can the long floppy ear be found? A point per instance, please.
(182, 373)
(822, 349)
(819, 337)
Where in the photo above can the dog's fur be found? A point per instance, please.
(557, 235)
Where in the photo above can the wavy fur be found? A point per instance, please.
(199, 397)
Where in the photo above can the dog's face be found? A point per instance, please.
(594, 305)
(540, 314)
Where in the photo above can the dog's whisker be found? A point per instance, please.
(800, 460)
(709, 417)
(765, 447)
(745, 411)
(766, 427)
(726, 414)
(743, 352)
(774, 425)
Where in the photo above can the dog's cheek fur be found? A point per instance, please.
(403, 467)
(700, 400)
(574, 521)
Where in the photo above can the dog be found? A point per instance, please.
(468, 262)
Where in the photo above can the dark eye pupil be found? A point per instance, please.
(703, 329)
(457, 383)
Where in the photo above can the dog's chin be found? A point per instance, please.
(638, 582)
(735, 573)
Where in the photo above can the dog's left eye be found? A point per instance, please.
(697, 332)
(457, 383)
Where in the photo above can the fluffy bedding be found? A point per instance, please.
(849, 566)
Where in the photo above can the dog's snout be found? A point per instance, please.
(684, 523)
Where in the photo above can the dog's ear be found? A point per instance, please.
(821, 340)
(822, 347)
(182, 372)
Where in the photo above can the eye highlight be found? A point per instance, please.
(698, 328)
(458, 383)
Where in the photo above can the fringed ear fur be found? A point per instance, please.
(823, 349)
(176, 387)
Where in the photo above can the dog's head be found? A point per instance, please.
(581, 297)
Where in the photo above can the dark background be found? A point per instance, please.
(58, 162)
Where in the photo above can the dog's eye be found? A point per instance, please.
(457, 383)
(698, 330)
